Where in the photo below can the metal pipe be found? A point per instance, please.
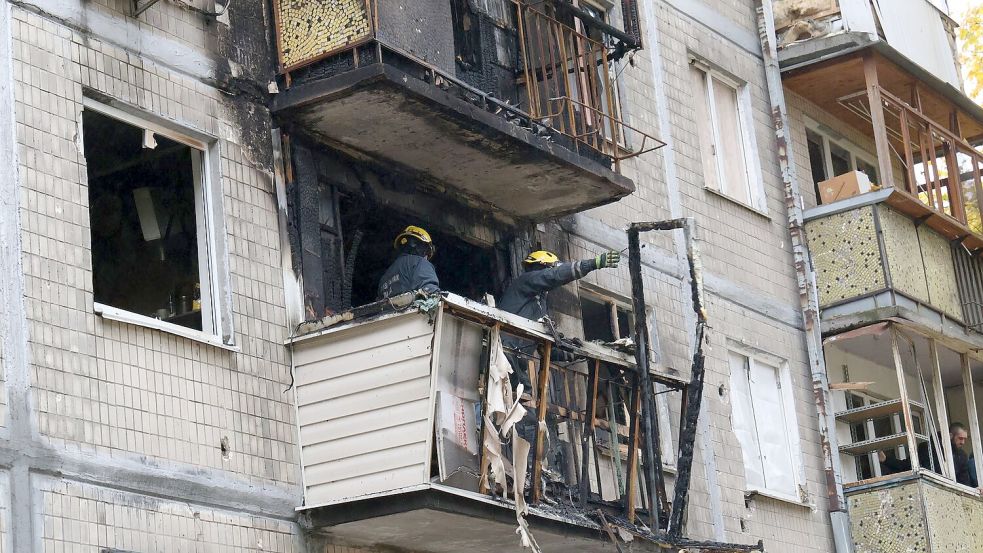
(806, 277)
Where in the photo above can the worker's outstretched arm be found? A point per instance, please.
(563, 273)
(427, 276)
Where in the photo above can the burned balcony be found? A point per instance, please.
(394, 428)
(514, 107)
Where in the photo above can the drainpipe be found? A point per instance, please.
(806, 276)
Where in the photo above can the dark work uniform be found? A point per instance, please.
(526, 296)
(408, 273)
(929, 460)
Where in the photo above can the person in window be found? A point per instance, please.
(929, 460)
(411, 270)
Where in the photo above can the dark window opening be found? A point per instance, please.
(462, 267)
(605, 320)
(840, 158)
(817, 160)
(467, 34)
(144, 210)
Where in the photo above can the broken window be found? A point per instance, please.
(724, 121)
(831, 157)
(765, 424)
(605, 319)
(147, 218)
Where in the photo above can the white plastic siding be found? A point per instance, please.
(363, 407)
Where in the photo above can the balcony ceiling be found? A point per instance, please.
(420, 129)
(823, 83)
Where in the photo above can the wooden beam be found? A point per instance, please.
(972, 413)
(851, 386)
(948, 466)
(905, 403)
(544, 378)
(633, 436)
(879, 126)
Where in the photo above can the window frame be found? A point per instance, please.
(212, 263)
(790, 420)
(757, 199)
(599, 295)
(855, 152)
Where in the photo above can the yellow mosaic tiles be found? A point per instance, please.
(903, 253)
(888, 520)
(846, 255)
(940, 273)
(312, 28)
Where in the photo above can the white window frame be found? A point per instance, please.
(757, 200)
(792, 438)
(215, 307)
(855, 152)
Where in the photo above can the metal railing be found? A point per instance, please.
(570, 86)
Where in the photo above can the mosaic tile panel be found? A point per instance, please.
(846, 255)
(888, 521)
(953, 520)
(940, 273)
(312, 28)
(904, 257)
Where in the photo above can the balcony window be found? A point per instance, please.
(831, 157)
(724, 124)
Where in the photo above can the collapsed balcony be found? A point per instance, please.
(896, 391)
(516, 110)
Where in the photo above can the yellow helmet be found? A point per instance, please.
(414, 232)
(541, 257)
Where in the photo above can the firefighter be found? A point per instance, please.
(543, 272)
(411, 269)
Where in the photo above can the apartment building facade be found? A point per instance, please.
(192, 182)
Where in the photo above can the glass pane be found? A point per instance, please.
(840, 158)
(731, 148)
(817, 156)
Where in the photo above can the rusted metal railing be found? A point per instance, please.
(570, 85)
(941, 169)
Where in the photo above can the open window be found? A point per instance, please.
(604, 318)
(148, 218)
(831, 157)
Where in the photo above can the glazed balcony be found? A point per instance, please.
(514, 106)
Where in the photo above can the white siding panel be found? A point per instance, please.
(364, 404)
(378, 419)
(376, 483)
(371, 335)
(364, 466)
(380, 398)
(366, 442)
(365, 380)
(380, 356)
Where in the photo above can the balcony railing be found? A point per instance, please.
(376, 395)
(941, 168)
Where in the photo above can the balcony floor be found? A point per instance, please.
(403, 122)
(444, 520)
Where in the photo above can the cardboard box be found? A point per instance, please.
(844, 186)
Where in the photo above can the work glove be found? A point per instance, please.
(607, 260)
